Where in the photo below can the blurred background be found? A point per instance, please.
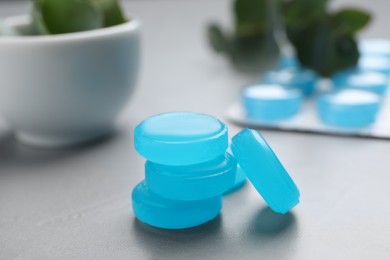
(74, 203)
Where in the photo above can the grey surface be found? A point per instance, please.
(74, 204)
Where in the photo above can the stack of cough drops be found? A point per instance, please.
(188, 169)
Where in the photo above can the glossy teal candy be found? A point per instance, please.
(375, 63)
(181, 138)
(239, 182)
(293, 77)
(362, 80)
(271, 102)
(348, 108)
(288, 61)
(159, 212)
(375, 47)
(193, 182)
(265, 171)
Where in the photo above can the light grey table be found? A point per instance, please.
(75, 204)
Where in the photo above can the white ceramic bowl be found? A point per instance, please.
(62, 90)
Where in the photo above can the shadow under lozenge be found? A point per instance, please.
(272, 234)
(200, 232)
(167, 243)
(269, 223)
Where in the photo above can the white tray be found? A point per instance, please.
(307, 121)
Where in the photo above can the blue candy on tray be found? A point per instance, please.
(293, 77)
(349, 108)
(186, 191)
(268, 103)
(288, 61)
(374, 47)
(375, 63)
(362, 80)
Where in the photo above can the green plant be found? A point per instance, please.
(251, 38)
(324, 41)
(67, 16)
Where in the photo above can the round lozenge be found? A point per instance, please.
(293, 77)
(348, 108)
(181, 138)
(375, 63)
(159, 212)
(271, 102)
(265, 171)
(192, 182)
(375, 47)
(362, 80)
(288, 61)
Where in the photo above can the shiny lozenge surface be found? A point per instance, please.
(362, 80)
(264, 170)
(348, 108)
(181, 138)
(293, 77)
(271, 102)
(375, 47)
(375, 63)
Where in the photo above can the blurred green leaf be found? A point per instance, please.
(248, 53)
(217, 39)
(66, 16)
(112, 12)
(251, 16)
(38, 25)
(350, 20)
(323, 41)
(300, 13)
(318, 47)
(69, 16)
